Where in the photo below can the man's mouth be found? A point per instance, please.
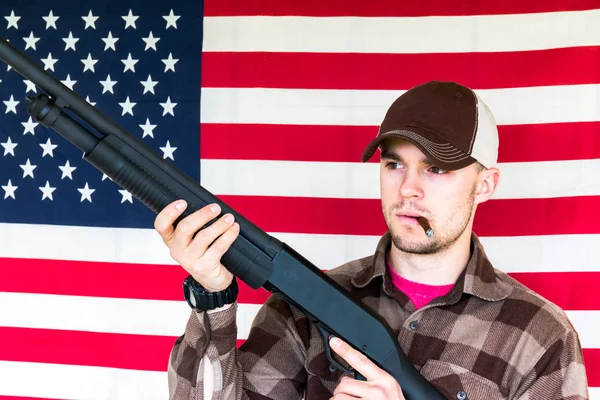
(416, 219)
(409, 217)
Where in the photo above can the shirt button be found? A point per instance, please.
(413, 325)
(461, 395)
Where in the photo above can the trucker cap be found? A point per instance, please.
(447, 121)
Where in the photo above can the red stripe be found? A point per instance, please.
(388, 8)
(23, 398)
(513, 217)
(591, 358)
(569, 290)
(102, 279)
(518, 143)
(139, 352)
(565, 66)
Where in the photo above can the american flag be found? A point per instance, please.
(269, 104)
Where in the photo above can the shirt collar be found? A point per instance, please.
(479, 278)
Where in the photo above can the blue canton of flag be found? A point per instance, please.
(136, 61)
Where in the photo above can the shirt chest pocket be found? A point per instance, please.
(458, 383)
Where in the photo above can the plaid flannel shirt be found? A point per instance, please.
(489, 338)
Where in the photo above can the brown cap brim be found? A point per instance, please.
(440, 153)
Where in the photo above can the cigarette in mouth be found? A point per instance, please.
(426, 227)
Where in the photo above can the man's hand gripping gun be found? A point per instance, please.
(257, 258)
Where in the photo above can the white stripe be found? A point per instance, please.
(161, 318)
(552, 253)
(529, 105)
(58, 381)
(93, 383)
(361, 180)
(110, 315)
(443, 34)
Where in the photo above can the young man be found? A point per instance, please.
(470, 330)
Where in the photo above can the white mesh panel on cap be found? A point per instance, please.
(485, 146)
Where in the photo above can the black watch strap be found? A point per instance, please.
(200, 299)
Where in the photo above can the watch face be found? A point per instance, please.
(188, 294)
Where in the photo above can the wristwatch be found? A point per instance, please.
(200, 299)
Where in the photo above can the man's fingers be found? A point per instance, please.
(219, 247)
(206, 236)
(356, 359)
(188, 226)
(351, 387)
(343, 397)
(163, 223)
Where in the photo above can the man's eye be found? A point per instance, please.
(437, 170)
(393, 165)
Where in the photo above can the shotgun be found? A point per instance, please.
(255, 257)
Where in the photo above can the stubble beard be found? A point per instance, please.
(456, 224)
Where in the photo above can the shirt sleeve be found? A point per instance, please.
(268, 365)
(559, 374)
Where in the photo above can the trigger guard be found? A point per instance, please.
(326, 335)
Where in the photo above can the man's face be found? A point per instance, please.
(411, 185)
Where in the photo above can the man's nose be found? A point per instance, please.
(411, 184)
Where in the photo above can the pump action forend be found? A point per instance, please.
(255, 257)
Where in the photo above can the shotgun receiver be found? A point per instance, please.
(255, 257)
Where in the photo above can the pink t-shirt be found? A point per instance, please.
(419, 293)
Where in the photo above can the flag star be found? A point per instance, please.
(168, 107)
(47, 191)
(148, 128)
(48, 148)
(87, 98)
(9, 146)
(86, 193)
(68, 82)
(150, 41)
(30, 86)
(90, 20)
(126, 196)
(104, 176)
(12, 21)
(89, 63)
(108, 85)
(49, 62)
(170, 63)
(168, 151)
(67, 170)
(28, 168)
(171, 19)
(9, 190)
(31, 41)
(51, 20)
(11, 105)
(127, 106)
(130, 20)
(70, 41)
(29, 126)
(129, 63)
(149, 85)
(110, 41)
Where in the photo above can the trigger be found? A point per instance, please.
(326, 335)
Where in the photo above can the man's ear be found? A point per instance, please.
(487, 183)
